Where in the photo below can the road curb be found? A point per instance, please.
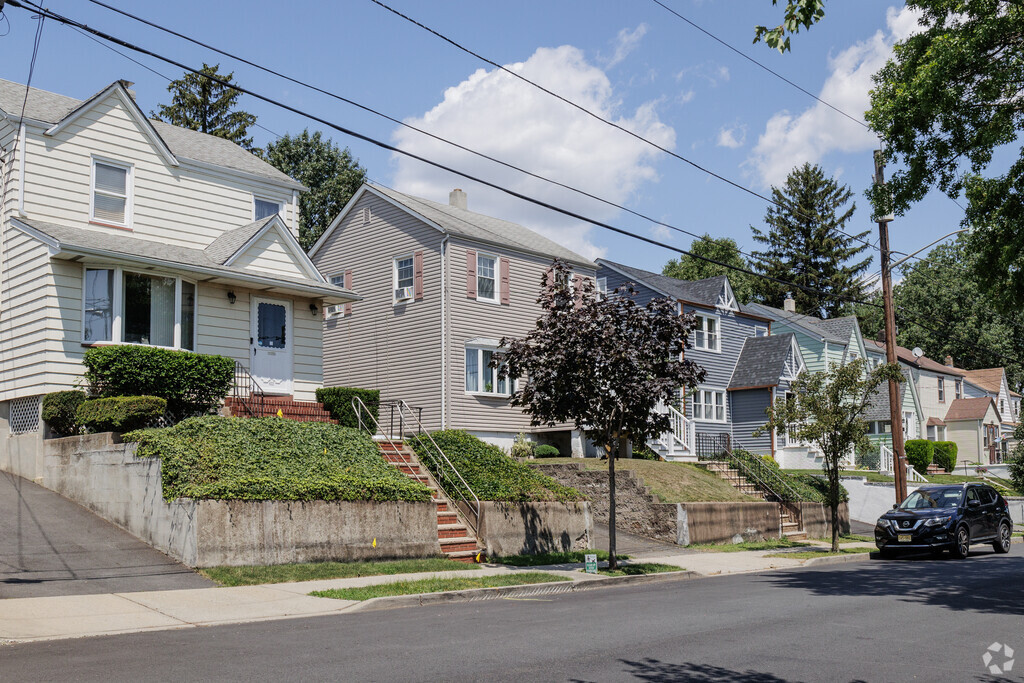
(838, 559)
(478, 594)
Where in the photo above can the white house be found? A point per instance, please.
(121, 230)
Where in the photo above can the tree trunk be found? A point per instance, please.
(613, 563)
(833, 503)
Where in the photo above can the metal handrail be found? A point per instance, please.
(247, 391)
(457, 487)
(748, 472)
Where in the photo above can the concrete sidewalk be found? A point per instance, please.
(51, 618)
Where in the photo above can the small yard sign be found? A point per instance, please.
(590, 562)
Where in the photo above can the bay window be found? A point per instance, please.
(137, 308)
(480, 377)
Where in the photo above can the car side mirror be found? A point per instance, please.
(974, 503)
(894, 506)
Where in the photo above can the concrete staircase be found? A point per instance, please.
(456, 539)
(301, 411)
(789, 525)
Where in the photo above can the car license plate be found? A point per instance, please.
(903, 538)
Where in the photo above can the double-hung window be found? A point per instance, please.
(338, 280)
(602, 287)
(480, 377)
(404, 278)
(707, 336)
(138, 308)
(486, 282)
(111, 193)
(709, 405)
(942, 390)
(958, 388)
(264, 207)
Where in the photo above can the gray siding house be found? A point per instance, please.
(441, 285)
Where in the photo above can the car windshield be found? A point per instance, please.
(925, 499)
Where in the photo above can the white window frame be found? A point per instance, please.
(698, 396)
(940, 385)
(480, 384)
(958, 388)
(702, 327)
(335, 310)
(129, 188)
(602, 287)
(497, 278)
(758, 329)
(117, 304)
(394, 278)
(258, 198)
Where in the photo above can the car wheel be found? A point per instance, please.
(1002, 542)
(962, 546)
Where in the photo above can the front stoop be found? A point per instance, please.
(457, 542)
(300, 411)
(790, 528)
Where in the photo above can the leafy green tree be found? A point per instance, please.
(804, 245)
(330, 173)
(721, 249)
(871, 318)
(1016, 460)
(799, 13)
(827, 409)
(202, 104)
(948, 107)
(602, 364)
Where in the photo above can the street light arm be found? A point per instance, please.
(910, 256)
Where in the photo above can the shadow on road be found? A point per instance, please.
(984, 582)
(650, 669)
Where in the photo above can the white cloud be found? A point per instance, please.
(660, 232)
(733, 137)
(499, 115)
(625, 43)
(790, 140)
(685, 96)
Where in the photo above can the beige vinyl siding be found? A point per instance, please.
(968, 437)
(270, 255)
(181, 205)
(393, 348)
(471, 319)
(8, 202)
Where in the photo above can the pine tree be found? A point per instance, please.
(205, 105)
(805, 245)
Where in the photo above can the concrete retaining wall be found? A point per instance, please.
(726, 522)
(104, 475)
(532, 528)
(817, 519)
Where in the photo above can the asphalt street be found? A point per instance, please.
(920, 619)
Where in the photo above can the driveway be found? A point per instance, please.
(51, 546)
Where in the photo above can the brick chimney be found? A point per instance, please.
(789, 305)
(457, 198)
(949, 362)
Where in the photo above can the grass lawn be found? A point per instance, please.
(771, 544)
(848, 538)
(639, 568)
(569, 557)
(284, 573)
(671, 482)
(437, 585)
(819, 552)
(875, 476)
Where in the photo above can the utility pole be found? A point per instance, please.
(895, 402)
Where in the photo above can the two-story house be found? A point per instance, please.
(747, 366)
(121, 230)
(993, 382)
(442, 285)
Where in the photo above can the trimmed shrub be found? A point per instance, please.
(920, 453)
(120, 413)
(189, 382)
(945, 455)
(272, 458)
(645, 453)
(491, 474)
(338, 402)
(548, 451)
(815, 487)
(522, 447)
(60, 411)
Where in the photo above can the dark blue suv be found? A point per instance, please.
(938, 518)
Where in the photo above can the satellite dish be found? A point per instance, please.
(917, 352)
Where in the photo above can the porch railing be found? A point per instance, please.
(719, 447)
(442, 469)
(887, 465)
(247, 391)
(679, 440)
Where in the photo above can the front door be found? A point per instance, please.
(271, 344)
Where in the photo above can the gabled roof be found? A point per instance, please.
(82, 242)
(970, 408)
(840, 328)
(707, 292)
(905, 355)
(878, 401)
(463, 223)
(231, 242)
(806, 323)
(183, 143)
(762, 361)
(989, 379)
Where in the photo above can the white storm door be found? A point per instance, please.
(271, 344)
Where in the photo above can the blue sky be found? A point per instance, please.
(633, 63)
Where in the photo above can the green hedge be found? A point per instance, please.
(120, 413)
(807, 487)
(546, 451)
(920, 453)
(490, 473)
(60, 411)
(272, 458)
(945, 455)
(188, 381)
(338, 402)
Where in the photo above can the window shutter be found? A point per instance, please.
(348, 285)
(504, 281)
(551, 277)
(471, 273)
(417, 275)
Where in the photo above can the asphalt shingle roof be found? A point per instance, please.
(50, 107)
(878, 401)
(761, 361)
(225, 246)
(808, 323)
(968, 408)
(840, 328)
(989, 379)
(704, 292)
(477, 226)
(907, 356)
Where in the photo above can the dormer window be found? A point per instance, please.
(263, 208)
(111, 196)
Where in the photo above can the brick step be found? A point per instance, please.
(442, 506)
(449, 545)
(462, 555)
(452, 531)
(398, 457)
(408, 469)
(446, 516)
